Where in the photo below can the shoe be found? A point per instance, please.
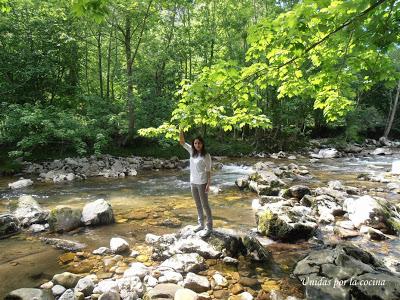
(198, 228)
(205, 233)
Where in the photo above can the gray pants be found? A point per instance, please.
(201, 198)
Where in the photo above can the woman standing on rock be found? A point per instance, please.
(200, 179)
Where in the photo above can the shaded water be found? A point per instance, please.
(165, 195)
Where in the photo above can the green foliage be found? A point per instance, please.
(361, 121)
(308, 52)
(95, 9)
(326, 51)
(33, 127)
(265, 69)
(202, 103)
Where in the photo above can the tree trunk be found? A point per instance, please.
(109, 64)
(99, 55)
(130, 58)
(129, 72)
(159, 74)
(392, 112)
(87, 67)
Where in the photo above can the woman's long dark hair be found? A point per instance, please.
(203, 149)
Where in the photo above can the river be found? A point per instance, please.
(165, 195)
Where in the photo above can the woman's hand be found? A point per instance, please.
(181, 137)
(207, 187)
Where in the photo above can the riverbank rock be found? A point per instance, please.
(85, 285)
(28, 211)
(196, 283)
(187, 241)
(186, 294)
(326, 153)
(66, 279)
(255, 249)
(106, 165)
(29, 294)
(352, 148)
(344, 271)
(9, 225)
(226, 241)
(242, 183)
(187, 262)
(163, 291)
(382, 151)
(136, 269)
(98, 212)
(118, 245)
(20, 184)
(298, 191)
(64, 219)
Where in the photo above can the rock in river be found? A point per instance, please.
(28, 211)
(98, 212)
(9, 225)
(289, 224)
(20, 184)
(344, 271)
(64, 219)
(64, 244)
(29, 294)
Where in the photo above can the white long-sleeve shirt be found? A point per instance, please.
(199, 166)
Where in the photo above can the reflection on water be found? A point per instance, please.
(161, 195)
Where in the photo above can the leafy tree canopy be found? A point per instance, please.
(327, 51)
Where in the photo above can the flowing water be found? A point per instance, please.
(165, 195)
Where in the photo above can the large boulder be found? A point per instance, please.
(226, 241)
(29, 294)
(344, 271)
(255, 249)
(64, 219)
(98, 212)
(375, 212)
(285, 223)
(20, 184)
(9, 225)
(28, 211)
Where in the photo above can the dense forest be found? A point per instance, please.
(88, 76)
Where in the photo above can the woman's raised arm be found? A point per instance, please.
(181, 138)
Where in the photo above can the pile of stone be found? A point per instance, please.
(180, 271)
(26, 212)
(300, 213)
(69, 169)
(268, 179)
